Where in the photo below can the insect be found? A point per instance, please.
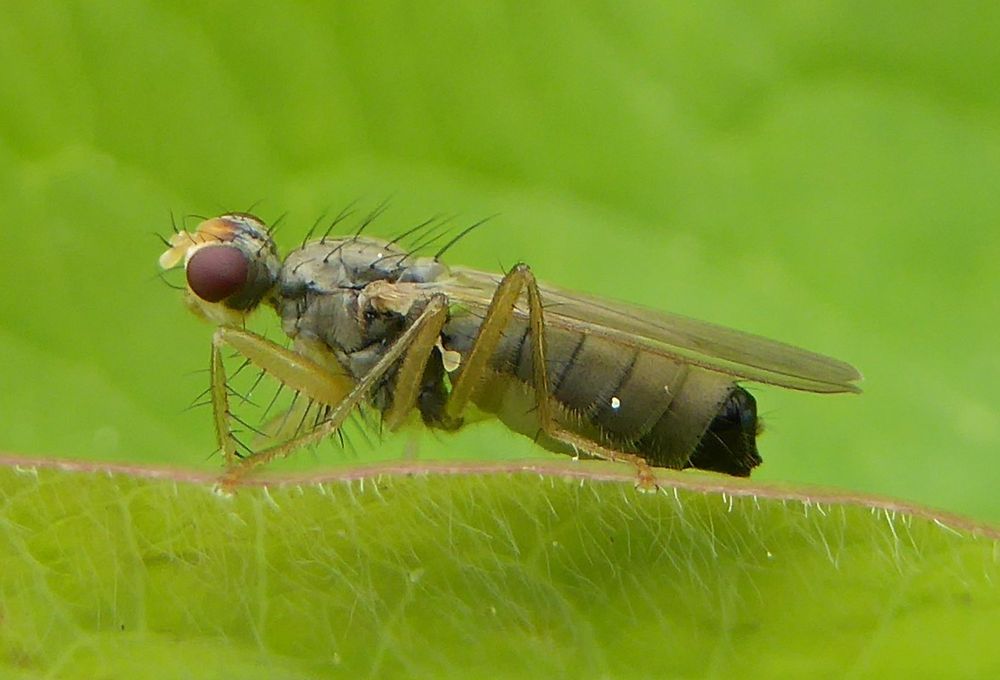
(373, 323)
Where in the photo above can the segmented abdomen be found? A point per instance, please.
(623, 397)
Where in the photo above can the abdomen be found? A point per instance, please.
(623, 397)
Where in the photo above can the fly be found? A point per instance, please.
(371, 323)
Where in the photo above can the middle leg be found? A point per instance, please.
(475, 366)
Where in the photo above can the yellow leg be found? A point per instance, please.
(318, 383)
(497, 317)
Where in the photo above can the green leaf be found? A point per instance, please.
(821, 173)
(532, 570)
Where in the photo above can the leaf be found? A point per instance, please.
(553, 570)
(820, 173)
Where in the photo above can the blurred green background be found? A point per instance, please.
(824, 173)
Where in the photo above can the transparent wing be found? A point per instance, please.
(741, 355)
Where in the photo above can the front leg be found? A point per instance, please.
(338, 391)
(292, 369)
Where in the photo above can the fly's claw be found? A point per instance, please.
(645, 479)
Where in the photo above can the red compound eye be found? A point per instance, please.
(216, 272)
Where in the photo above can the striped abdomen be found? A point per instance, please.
(670, 413)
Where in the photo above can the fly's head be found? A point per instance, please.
(230, 263)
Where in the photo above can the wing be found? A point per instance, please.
(742, 355)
